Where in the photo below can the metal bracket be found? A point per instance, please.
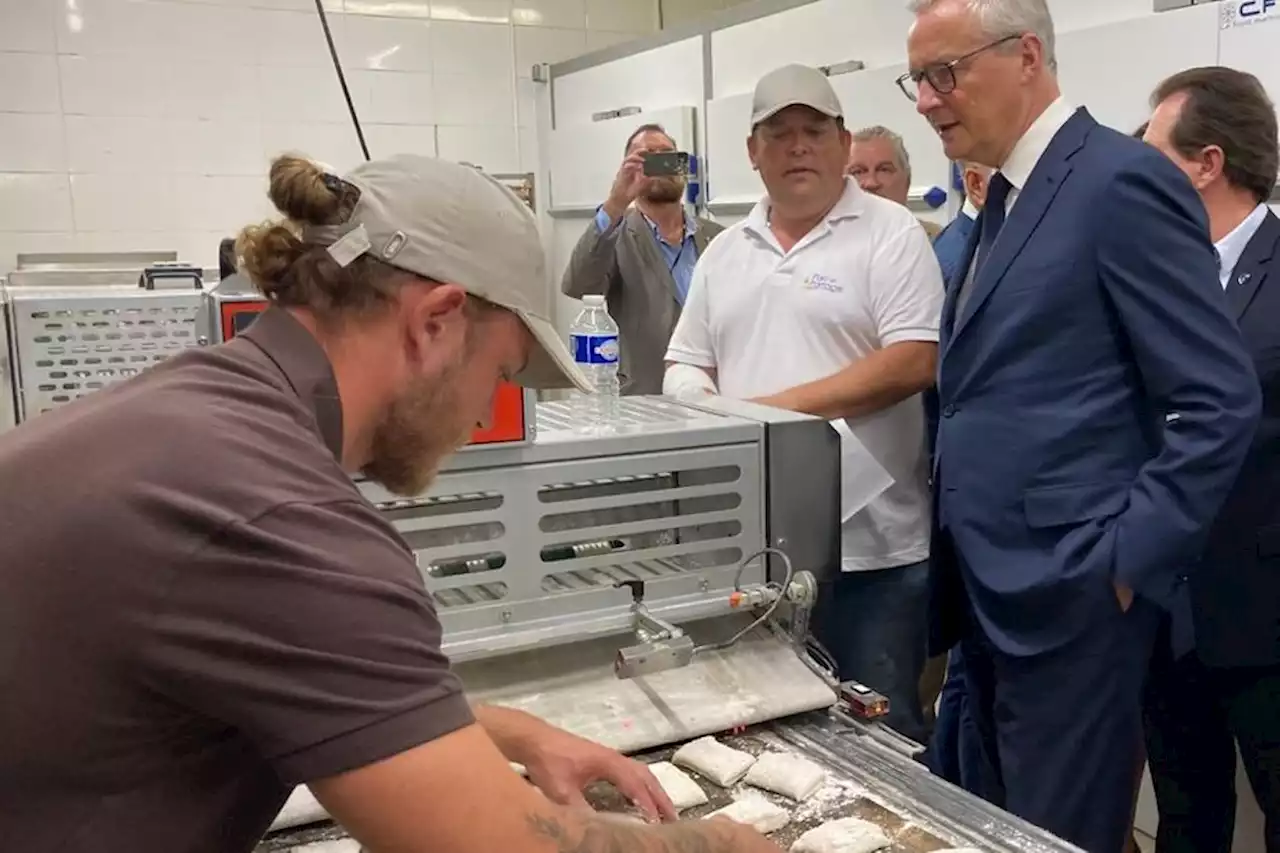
(662, 645)
(842, 67)
(607, 115)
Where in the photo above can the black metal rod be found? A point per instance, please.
(342, 78)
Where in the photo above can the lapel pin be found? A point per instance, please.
(1243, 278)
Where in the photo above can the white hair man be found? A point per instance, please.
(1096, 404)
(825, 300)
(879, 161)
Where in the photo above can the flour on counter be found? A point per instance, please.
(834, 795)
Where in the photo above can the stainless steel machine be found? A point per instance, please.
(640, 587)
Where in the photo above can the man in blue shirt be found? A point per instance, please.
(639, 252)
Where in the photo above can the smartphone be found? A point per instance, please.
(666, 164)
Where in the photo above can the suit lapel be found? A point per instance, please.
(956, 282)
(1252, 269)
(1030, 207)
(647, 245)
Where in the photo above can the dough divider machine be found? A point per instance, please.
(640, 587)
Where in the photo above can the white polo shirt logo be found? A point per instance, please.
(818, 281)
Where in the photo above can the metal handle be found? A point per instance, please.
(177, 272)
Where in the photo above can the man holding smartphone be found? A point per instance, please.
(639, 252)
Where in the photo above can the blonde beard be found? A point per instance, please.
(417, 433)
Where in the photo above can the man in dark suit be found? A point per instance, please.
(1219, 127)
(638, 252)
(956, 750)
(1097, 403)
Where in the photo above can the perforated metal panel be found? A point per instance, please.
(536, 549)
(69, 343)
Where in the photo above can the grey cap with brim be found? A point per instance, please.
(791, 86)
(456, 225)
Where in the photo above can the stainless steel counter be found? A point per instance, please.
(871, 775)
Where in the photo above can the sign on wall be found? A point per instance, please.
(1238, 13)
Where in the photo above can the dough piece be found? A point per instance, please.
(756, 812)
(961, 850)
(683, 791)
(788, 775)
(300, 809)
(712, 760)
(846, 835)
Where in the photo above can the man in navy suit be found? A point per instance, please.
(1219, 127)
(1097, 403)
(956, 750)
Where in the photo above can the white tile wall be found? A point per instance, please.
(149, 124)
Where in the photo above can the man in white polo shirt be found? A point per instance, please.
(826, 300)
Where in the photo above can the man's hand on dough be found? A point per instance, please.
(562, 765)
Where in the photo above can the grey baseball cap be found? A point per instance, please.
(790, 86)
(454, 224)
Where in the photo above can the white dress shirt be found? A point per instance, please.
(1019, 165)
(1231, 247)
(1022, 160)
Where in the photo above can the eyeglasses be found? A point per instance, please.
(942, 77)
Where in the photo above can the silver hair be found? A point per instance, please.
(895, 141)
(1002, 18)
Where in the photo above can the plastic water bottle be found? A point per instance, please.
(593, 340)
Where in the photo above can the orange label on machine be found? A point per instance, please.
(508, 417)
(236, 316)
(508, 422)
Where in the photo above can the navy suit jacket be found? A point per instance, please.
(1057, 473)
(951, 247)
(952, 244)
(1235, 591)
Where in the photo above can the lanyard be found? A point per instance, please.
(675, 263)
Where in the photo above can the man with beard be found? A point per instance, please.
(638, 253)
(825, 300)
(201, 609)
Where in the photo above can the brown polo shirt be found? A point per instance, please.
(198, 609)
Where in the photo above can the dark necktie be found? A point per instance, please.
(990, 223)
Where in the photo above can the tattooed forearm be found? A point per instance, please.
(603, 836)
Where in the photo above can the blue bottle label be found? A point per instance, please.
(594, 349)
